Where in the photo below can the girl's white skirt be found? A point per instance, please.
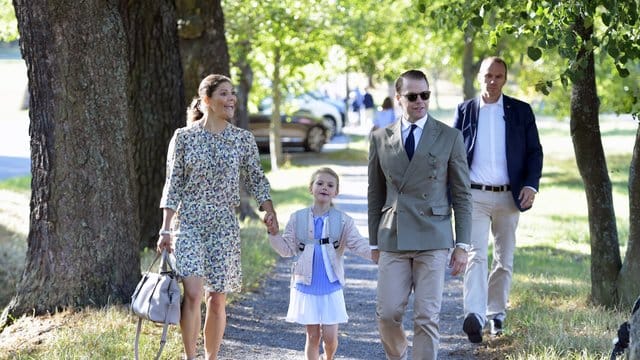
(307, 309)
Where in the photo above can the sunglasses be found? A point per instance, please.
(413, 97)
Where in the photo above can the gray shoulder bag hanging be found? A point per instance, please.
(157, 298)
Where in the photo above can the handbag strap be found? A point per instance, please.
(165, 262)
(163, 340)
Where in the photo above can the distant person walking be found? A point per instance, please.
(204, 163)
(369, 106)
(386, 116)
(418, 173)
(505, 160)
(318, 236)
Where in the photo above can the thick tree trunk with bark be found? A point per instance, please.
(587, 143)
(634, 345)
(156, 100)
(82, 244)
(203, 45)
(629, 281)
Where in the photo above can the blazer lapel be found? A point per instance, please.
(429, 135)
(395, 147)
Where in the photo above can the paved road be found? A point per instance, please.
(256, 329)
(14, 137)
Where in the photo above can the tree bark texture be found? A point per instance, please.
(591, 161)
(469, 71)
(275, 143)
(629, 281)
(245, 82)
(156, 99)
(634, 336)
(82, 245)
(203, 46)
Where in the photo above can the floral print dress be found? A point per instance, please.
(202, 185)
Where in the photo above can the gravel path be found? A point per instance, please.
(256, 328)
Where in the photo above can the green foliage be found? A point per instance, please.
(270, 35)
(548, 33)
(8, 22)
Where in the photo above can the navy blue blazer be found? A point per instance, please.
(524, 151)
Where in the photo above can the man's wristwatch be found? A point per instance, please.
(463, 246)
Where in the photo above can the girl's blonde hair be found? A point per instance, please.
(207, 86)
(328, 171)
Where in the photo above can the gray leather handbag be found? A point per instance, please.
(157, 298)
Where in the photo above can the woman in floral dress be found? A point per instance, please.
(205, 162)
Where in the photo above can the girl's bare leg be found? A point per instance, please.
(312, 346)
(330, 340)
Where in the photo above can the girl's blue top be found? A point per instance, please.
(320, 284)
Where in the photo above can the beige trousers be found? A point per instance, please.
(487, 294)
(398, 274)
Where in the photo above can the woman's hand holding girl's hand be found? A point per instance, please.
(271, 221)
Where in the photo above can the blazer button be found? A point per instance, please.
(421, 212)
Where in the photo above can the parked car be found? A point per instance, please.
(332, 118)
(298, 130)
(337, 103)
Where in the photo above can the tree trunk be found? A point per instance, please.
(203, 45)
(629, 281)
(156, 100)
(275, 146)
(587, 143)
(82, 244)
(634, 336)
(468, 69)
(245, 82)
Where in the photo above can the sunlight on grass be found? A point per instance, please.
(19, 184)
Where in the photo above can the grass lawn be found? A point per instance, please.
(550, 316)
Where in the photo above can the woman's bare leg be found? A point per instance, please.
(190, 317)
(214, 323)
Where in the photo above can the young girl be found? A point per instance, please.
(318, 236)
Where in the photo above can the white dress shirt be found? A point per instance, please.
(417, 132)
(489, 164)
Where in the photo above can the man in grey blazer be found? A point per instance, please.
(417, 173)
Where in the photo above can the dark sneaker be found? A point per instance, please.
(472, 328)
(496, 327)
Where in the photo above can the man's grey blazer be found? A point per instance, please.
(411, 202)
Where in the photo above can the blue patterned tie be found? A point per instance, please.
(409, 144)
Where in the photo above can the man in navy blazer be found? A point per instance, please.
(505, 164)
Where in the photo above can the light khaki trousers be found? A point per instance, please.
(487, 294)
(398, 274)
